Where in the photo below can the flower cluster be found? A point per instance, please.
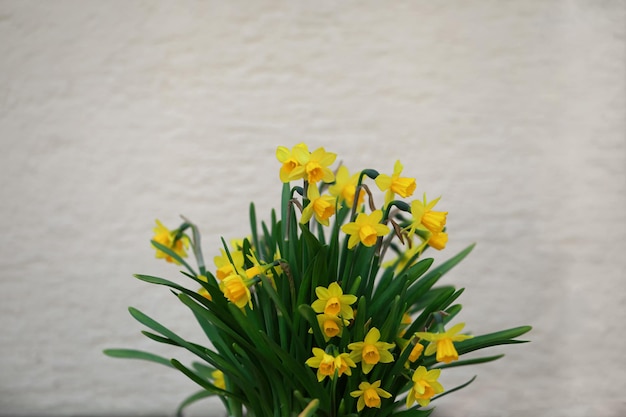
(329, 308)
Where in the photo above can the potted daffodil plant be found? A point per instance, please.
(331, 306)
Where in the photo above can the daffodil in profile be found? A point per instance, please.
(425, 218)
(369, 395)
(443, 343)
(288, 159)
(322, 206)
(371, 351)
(438, 240)
(313, 166)
(365, 229)
(334, 302)
(171, 239)
(236, 290)
(218, 379)
(425, 386)
(395, 184)
(344, 187)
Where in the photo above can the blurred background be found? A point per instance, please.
(115, 113)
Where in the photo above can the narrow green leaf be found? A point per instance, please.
(466, 362)
(450, 391)
(492, 339)
(414, 412)
(137, 354)
(200, 395)
(204, 383)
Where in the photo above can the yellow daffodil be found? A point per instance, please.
(371, 351)
(425, 218)
(425, 386)
(225, 267)
(442, 343)
(395, 184)
(438, 240)
(313, 166)
(331, 325)
(236, 291)
(343, 363)
(416, 352)
(334, 302)
(327, 364)
(167, 238)
(218, 379)
(365, 229)
(323, 207)
(369, 395)
(344, 187)
(288, 160)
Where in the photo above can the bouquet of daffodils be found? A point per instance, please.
(329, 308)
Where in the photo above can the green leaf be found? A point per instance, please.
(204, 383)
(307, 312)
(450, 391)
(200, 395)
(137, 354)
(414, 412)
(196, 246)
(466, 362)
(492, 339)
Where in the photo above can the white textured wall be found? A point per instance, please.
(114, 113)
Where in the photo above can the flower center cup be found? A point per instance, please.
(368, 236)
(327, 367)
(446, 352)
(371, 398)
(403, 186)
(333, 306)
(370, 355)
(314, 171)
(330, 328)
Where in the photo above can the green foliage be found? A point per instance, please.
(261, 347)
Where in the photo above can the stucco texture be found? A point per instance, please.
(115, 113)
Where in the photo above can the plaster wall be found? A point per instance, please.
(115, 113)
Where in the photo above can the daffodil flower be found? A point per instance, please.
(344, 187)
(331, 325)
(425, 386)
(365, 229)
(218, 379)
(225, 267)
(236, 290)
(438, 240)
(442, 343)
(416, 352)
(369, 395)
(323, 207)
(288, 159)
(334, 302)
(425, 218)
(395, 184)
(371, 351)
(167, 238)
(313, 166)
(327, 364)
